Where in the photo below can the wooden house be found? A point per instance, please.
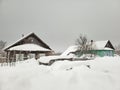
(98, 48)
(28, 46)
(102, 48)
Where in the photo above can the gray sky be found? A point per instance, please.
(59, 22)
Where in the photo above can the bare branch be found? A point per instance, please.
(2, 44)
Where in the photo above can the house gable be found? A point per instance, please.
(109, 45)
(31, 38)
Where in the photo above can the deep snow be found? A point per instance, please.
(103, 74)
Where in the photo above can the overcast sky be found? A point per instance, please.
(59, 22)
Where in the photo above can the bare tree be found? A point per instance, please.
(2, 53)
(82, 42)
(117, 49)
(2, 44)
(84, 46)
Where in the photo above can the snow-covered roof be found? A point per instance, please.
(99, 44)
(106, 48)
(25, 36)
(70, 49)
(28, 47)
(18, 40)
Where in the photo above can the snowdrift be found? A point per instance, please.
(102, 74)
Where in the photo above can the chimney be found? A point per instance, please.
(91, 42)
(91, 46)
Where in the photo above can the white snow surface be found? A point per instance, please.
(103, 74)
(46, 59)
(29, 47)
(69, 50)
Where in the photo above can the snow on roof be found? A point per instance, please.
(106, 48)
(28, 47)
(18, 40)
(25, 36)
(99, 44)
(69, 50)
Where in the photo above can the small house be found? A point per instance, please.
(102, 48)
(97, 48)
(27, 47)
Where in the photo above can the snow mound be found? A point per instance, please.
(47, 59)
(70, 50)
(102, 74)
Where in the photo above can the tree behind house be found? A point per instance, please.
(117, 49)
(84, 46)
(2, 44)
(2, 53)
(82, 43)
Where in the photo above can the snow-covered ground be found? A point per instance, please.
(102, 74)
